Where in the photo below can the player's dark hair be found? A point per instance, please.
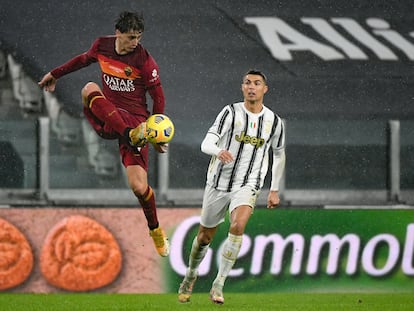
(128, 21)
(256, 72)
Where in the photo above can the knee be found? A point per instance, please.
(137, 179)
(236, 228)
(89, 89)
(138, 188)
(204, 238)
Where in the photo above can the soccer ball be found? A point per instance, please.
(160, 129)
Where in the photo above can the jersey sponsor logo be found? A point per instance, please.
(117, 75)
(254, 141)
(118, 84)
(343, 38)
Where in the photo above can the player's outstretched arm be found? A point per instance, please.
(48, 82)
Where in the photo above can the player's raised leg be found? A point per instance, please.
(102, 109)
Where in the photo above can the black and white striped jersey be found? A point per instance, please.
(248, 136)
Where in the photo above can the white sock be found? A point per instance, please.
(196, 256)
(229, 255)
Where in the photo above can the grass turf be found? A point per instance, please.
(199, 302)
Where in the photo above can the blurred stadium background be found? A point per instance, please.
(350, 119)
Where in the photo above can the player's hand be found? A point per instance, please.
(225, 157)
(161, 148)
(48, 82)
(273, 199)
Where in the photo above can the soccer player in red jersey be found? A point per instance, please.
(119, 110)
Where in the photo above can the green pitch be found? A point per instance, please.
(199, 302)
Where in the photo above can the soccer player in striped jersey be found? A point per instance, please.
(119, 110)
(239, 143)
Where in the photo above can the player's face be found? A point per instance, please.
(127, 41)
(253, 88)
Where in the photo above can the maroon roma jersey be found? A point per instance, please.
(125, 78)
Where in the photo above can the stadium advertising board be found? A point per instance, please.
(102, 250)
(47, 250)
(310, 250)
(275, 31)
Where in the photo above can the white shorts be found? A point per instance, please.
(216, 203)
